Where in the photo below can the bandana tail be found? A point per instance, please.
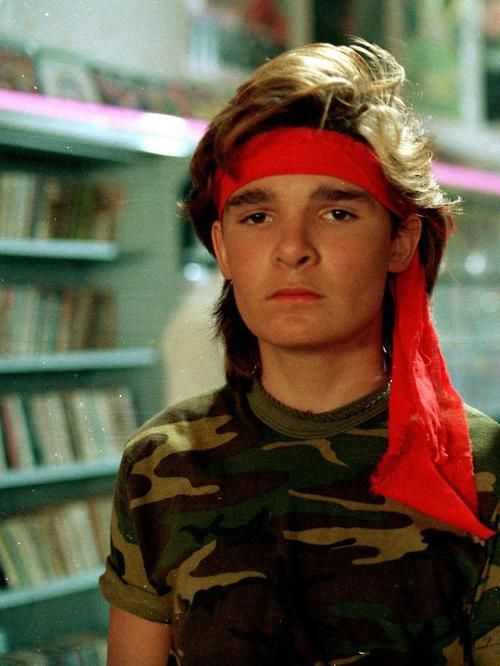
(428, 465)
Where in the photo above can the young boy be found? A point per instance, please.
(327, 505)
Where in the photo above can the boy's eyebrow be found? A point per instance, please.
(326, 193)
(257, 195)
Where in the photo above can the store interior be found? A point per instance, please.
(105, 293)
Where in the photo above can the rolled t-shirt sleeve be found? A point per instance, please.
(485, 615)
(485, 624)
(126, 582)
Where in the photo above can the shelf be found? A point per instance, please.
(37, 476)
(479, 343)
(462, 142)
(92, 359)
(84, 129)
(59, 249)
(466, 178)
(54, 588)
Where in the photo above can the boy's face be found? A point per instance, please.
(308, 256)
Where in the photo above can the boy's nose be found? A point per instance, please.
(294, 246)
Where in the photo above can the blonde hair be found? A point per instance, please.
(355, 89)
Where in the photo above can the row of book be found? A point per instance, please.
(74, 650)
(44, 206)
(63, 75)
(59, 428)
(40, 319)
(53, 542)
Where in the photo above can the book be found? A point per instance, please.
(61, 427)
(48, 192)
(121, 405)
(18, 576)
(12, 576)
(44, 521)
(47, 320)
(55, 207)
(55, 541)
(47, 317)
(73, 530)
(83, 435)
(27, 555)
(4, 463)
(17, 436)
(100, 509)
(104, 320)
(17, 192)
(49, 425)
(7, 294)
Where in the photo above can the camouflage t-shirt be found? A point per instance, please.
(251, 529)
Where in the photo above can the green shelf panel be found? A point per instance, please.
(109, 359)
(59, 249)
(54, 588)
(37, 476)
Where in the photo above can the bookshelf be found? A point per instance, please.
(140, 151)
(145, 156)
(466, 301)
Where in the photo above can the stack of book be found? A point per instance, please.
(35, 320)
(41, 206)
(57, 428)
(84, 650)
(55, 541)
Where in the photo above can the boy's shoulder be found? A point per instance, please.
(485, 437)
(193, 424)
(191, 409)
(484, 430)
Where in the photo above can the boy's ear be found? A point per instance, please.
(404, 243)
(220, 249)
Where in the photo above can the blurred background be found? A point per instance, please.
(105, 295)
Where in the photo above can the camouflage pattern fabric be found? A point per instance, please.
(252, 530)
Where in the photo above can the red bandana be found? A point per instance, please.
(428, 463)
(304, 150)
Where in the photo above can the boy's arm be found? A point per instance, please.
(133, 641)
(485, 623)
(486, 650)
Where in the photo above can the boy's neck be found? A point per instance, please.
(319, 382)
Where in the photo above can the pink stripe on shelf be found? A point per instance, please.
(466, 178)
(111, 117)
(145, 122)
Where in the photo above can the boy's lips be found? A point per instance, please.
(295, 294)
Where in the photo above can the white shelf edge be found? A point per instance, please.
(447, 341)
(466, 142)
(59, 249)
(74, 127)
(62, 586)
(45, 474)
(93, 359)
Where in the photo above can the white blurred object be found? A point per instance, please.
(194, 358)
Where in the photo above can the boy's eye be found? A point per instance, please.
(339, 215)
(256, 218)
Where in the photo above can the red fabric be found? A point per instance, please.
(303, 150)
(428, 464)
